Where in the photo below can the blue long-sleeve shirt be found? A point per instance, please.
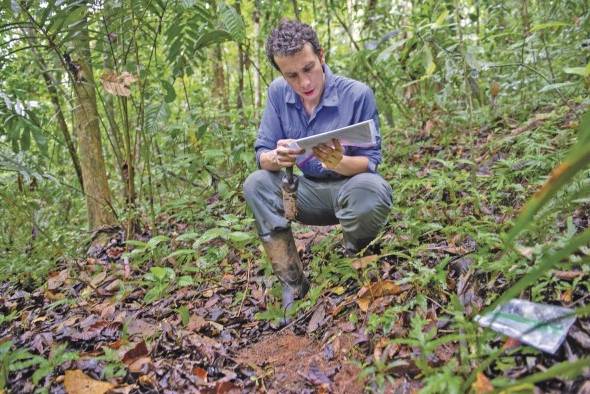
(343, 102)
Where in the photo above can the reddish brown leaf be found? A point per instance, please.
(376, 290)
(200, 373)
(140, 350)
(363, 262)
(140, 365)
(117, 85)
(511, 343)
(196, 323)
(226, 388)
(482, 384)
(567, 275)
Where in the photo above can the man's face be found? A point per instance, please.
(303, 72)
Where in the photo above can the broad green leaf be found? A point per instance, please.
(155, 241)
(181, 252)
(429, 65)
(159, 273)
(42, 371)
(188, 236)
(582, 71)
(184, 314)
(441, 19)
(240, 236)
(170, 93)
(185, 280)
(548, 25)
(217, 232)
(136, 243)
(554, 86)
(210, 38)
(230, 21)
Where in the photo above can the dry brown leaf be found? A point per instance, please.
(567, 275)
(316, 319)
(57, 279)
(482, 384)
(363, 262)
(77, 382)
(525, 251)
(140, 350)
(196, 323)
(117, 85)
(380, 289)
(200, 373)
(567, 296)
(140, 365)
(51, 296)
(511, 343)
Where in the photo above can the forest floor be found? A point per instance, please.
(220, 334)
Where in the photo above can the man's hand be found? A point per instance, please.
(282, 156)
(286, 156)
(330, 156)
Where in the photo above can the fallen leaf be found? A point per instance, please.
(200, 373)
(525, 251)
(567, 296)
(196, 323)
(511, 343)
(363, 262)
(567, 275)
(140, 365)
(316, 319)
(585, 388)
(51, 296)
(226, 388)
(57, 279)
(140, 350)
(380, 289)
(77, 382)
(482, 384)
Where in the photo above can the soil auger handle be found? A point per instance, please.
(289, 186)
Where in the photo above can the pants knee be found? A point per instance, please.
(256, 182)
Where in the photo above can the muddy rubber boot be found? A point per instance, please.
(282, 252)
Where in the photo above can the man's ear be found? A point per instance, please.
(321, 56)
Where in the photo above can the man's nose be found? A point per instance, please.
(305, 81)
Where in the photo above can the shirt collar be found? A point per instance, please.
(329, 97)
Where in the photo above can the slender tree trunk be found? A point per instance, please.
(98, 196)
(54, 97)
(256, 20)
(241, 67)
(219, 77)
(63, 126)
(296, 10)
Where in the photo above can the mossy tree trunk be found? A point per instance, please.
(98, 196)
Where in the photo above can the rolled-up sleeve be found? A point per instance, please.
(366, 109)
(270, 130)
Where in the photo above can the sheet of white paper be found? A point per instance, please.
(359, 134)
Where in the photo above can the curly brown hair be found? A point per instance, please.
(288, 38)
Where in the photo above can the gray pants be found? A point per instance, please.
(360, 204)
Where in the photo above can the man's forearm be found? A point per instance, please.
(268, 161)
(352, 165)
